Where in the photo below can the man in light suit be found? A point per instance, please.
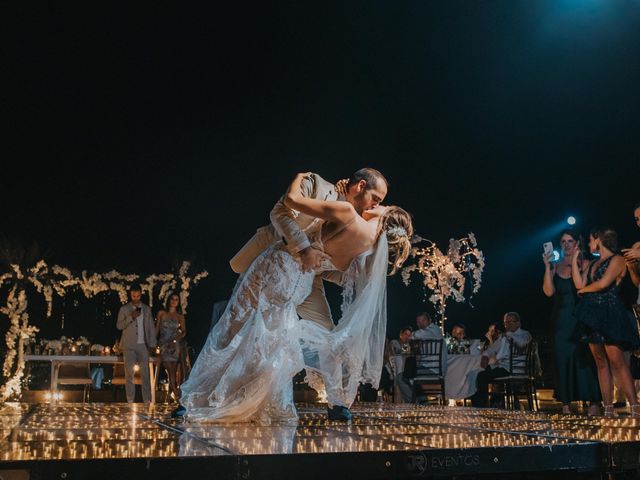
(138, 336)
(365, 189)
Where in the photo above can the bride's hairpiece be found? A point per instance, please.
(397, 231)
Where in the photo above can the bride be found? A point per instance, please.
(245, 369)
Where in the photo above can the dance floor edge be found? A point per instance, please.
(382, 441)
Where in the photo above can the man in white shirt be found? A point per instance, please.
(426, 329)
(501, 351)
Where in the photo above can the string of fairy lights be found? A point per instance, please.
(49, 280)
(445, 275)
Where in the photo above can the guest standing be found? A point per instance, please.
(632, 256)
(575, 371)
(138, 336)
(603, 321)
(171, 330)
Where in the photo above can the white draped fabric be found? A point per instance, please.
(244, 371)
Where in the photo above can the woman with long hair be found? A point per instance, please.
(171, 328)
(245, 369)
(575, 372)
(603, 321)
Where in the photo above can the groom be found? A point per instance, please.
(365, 189)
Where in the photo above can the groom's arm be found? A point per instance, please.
(284, 219)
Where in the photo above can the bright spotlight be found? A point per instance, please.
(571, 220)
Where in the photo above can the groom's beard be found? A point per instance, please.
(358, 202)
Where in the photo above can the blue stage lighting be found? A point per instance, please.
(571, 220)
(555, 256)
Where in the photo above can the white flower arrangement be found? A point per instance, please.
(60, 280)
(457, 347)
(186, 283)
(19, 331)
(167, 287)
(444, 275)
(397, 231)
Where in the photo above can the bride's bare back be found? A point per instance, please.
(345, 241)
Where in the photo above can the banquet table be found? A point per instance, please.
(58, 360)
(461, 374)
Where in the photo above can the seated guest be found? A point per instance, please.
(493, 333)
(426, 329)
(501, 350)
(402, 344)
(400, 348)
(386, 384)
(459, 331)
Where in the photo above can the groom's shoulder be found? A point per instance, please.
(321, 187)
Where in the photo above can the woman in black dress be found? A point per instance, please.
(574, 372)
(603, 321)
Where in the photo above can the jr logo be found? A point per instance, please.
(417, 463)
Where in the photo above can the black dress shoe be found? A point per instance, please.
(179, 412)
(339, 412)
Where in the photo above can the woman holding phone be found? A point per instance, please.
(575, 376)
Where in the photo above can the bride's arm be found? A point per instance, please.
(327, 210)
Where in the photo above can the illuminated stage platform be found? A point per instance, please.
(383, 441)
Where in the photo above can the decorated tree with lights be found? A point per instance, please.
(445, 275)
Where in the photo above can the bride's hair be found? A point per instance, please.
(396, 223)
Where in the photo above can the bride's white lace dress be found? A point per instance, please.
(245, 369)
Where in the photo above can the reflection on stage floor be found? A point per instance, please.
(404, 439)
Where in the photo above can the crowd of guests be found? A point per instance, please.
(494, 354)
(594, 334)
(141, 334)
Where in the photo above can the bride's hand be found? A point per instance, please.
(341, 187)
(311, 258)
(374, 212)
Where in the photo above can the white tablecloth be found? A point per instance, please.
(462, 371)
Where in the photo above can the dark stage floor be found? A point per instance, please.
(383, 441)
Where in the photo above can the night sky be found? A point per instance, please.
(134, 138)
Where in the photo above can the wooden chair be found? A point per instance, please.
(521, 378)
(76, 374)
(429, 376)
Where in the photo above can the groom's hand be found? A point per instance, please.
(311, 258)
